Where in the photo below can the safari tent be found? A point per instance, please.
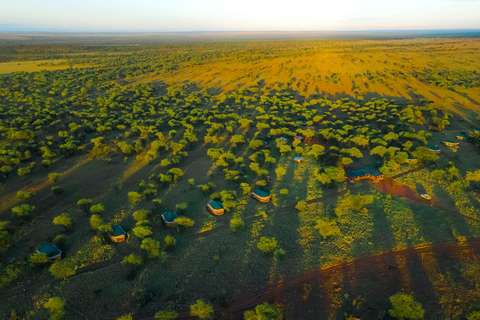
(371, 174)
(450, 143)
(261, 195)
(169, 218)
(216, 207)
(51, 250)
(118, 234)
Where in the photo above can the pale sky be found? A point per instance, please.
(232, 15)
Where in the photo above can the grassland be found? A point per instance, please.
(183, 103)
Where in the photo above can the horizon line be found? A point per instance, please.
(233, 31)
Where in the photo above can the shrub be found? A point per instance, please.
(134, 198)
(132, 260)
(97, 208)
(237, 224)
(23, 210)
(53, 177)
(37, 258)
(181, 207)
(63, 220)
(58, 191)
(85, 204)
(184, 222)
(265, 311)
(201, 309)
(267, 244)
(170, 242)
(62, 269)
(140, 215)
(404, 306)
(142, 231)
(301, 206)
(95, 221)
(166, 315)
(151, 246)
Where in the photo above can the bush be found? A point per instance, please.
(63, 220)
(85, 204)
(170, 242)
(405, 307)
(265, 311)
(151, 246)
(267, 244)
(184, 222)
(134, 198)
(140, 215)
(181, 207)
(95, 221)
(37, 258)
(55, 306)
(132, 260)
(237, 224)
(58, 191)
(53, 177)
(23, 210)
(62, 270)
(301, 206)
(97, 208)
(201, 309)
(166, 315)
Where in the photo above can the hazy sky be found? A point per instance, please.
(231, 15)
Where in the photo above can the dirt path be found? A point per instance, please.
(369, 262)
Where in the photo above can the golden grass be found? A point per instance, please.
(35, 66)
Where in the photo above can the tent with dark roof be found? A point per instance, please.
(51, 250)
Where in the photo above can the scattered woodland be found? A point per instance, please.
(93, 136)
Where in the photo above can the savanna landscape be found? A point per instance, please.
(240, 179)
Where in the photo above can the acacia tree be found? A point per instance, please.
(405, 307)
(264, 311)
(267, 244)
(201, 309)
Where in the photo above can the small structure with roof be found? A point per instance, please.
(216, 207)
(462, 136)
(450, 143)
(371, 174)
(283, 139)
(118, 234)
(51, 250)
(298, 159)
(261, 195)
(476, 130)
(169, 218)
(300, 138)
(434, 148)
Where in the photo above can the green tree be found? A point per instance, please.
(62, 269)
(267, 244)
(316, 151)
(166, 315)
(142, 231)
(280, 171)
(23, 210)
(140, 215)
(405, 307)
(236, 224)
(58, 191)
(132, 260)
(95, 221)
(201, 309)
(264, 311)
(301, 206)
(37, 258)
(63, 220)
(184, 222)
(326, 228)
(151, 246)
(53, 177)
(97, 208)
(170, 242)
(85, 204)
(55, 306)
(176, 172)
(134, 198)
